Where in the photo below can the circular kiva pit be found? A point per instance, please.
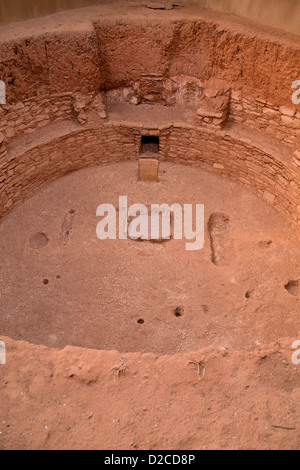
(61, 285)
(190, 116)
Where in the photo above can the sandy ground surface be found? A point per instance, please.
(84, 399)
(198, 380)
(60, 285)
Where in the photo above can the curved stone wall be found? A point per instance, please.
(72, 148)
(237, 86)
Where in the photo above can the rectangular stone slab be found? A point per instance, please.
(148, 169)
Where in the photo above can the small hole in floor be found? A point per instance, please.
(178, 312)
(265, 243)
(141, 321)
(72, 212)
(248, 295)
(39, 240)
(293, 288)
(45, 281)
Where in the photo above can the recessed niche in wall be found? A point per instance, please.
(149, 144)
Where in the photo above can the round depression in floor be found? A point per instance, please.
(60, 285)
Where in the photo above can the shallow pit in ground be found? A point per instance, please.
(61, 285)
(293, 288)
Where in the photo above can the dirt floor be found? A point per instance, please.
(210, 399)
(60, 285)
(215, 376)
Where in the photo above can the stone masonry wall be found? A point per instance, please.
(24, 172)
(27, 116)
(45, 71)
(278, 182)
(281, 122)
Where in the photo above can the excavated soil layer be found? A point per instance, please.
(60, 285)
(203, 89)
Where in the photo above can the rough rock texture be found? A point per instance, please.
(209, 399)
(79, 93)
(270, 169)
(43, 64)
(55, 67)
(214, 107)
(100, 52)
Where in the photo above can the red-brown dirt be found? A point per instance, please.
(85, 399)
(225, 390)
(61, 285)
(136, 345)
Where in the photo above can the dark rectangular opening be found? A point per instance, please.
(149, 144)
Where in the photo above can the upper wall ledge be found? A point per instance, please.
(83, 19)
(149, 122)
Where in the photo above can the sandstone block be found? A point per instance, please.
(287, 112)
(148, 169)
